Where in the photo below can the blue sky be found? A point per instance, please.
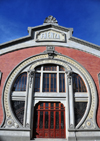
(81, 15)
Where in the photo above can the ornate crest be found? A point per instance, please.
(50, 19)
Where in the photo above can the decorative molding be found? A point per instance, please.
(50, 19)
(50, 50)
(9, 122)
(31, 75)
(69, 73)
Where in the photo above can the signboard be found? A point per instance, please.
(50, 35)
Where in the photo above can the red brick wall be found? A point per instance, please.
(10, 60)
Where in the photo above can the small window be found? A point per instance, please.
(20, 83)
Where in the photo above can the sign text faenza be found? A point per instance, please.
(50, 35)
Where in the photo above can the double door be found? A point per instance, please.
(49, 120)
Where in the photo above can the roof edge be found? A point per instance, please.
(84, 42)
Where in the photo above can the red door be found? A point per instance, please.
(49, 120)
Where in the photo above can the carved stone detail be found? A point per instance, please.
(9, 122)
(50, 50)
(69, 76)
(50, 19)
(31, 75)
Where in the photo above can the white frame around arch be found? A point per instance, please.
(29, 65)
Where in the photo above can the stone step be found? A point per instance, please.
(46, 139)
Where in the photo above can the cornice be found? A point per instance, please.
(80, 41)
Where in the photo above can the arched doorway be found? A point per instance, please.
(49, 120)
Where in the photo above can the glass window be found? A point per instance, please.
(49, 82)
(37, 82)
(18, 109)
(50, 68)
(79, 110)
(20, 83)
(78, 83)
(62, 82)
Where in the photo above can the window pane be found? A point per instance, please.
(46, 120)
(53, 83)
(18, 109)
(62, 120)
(51, 120)
(61, 68)
(78, 83)
(46, 105)
(50, 67)
(57, 105)
(49, 82)
(20, 83)
(37, 82)
(62, 82)
(57, 120)
(79, 109)
(38, 68)
(41, 105)
(41, 120)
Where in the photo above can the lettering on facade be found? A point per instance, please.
(50, 35)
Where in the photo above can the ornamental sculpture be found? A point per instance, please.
(50, 19)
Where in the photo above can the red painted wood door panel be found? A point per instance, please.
(49, 120)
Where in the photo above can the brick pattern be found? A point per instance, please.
(9, 61)
(90, 62)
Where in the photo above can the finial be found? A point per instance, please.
(50, 19)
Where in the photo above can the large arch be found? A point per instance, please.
(88, 121)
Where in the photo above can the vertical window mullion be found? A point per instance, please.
(41, 82)
(49, 82)
(57, 79)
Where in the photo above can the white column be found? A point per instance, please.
(29, 98)
(71, 101)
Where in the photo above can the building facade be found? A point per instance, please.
(49, 86)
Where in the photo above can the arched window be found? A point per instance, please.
(18, 96)
(20, 83)
(79, 91)
(50, 80)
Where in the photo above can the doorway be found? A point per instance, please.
(49, 120)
